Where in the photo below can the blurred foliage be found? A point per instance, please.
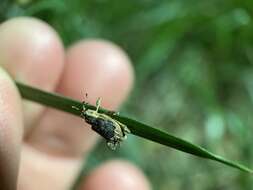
(193, 58)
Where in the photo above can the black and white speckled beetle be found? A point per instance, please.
(112, 130)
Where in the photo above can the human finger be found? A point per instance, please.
(116, 175)
(95, 67)
(32, 53)
(11, 129)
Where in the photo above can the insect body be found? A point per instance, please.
(112, 130)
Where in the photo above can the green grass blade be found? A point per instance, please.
(137, 128)
(159, 136)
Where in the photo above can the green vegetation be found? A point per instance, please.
(193, 62)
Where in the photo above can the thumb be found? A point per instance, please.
(11, 129)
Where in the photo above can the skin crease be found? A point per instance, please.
(54, 142)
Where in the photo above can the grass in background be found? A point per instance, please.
(192, 57)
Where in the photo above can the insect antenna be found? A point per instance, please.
(83, 103)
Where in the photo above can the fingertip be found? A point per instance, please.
(30, 48)
(104, 70)
(117, 175)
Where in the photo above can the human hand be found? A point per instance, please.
(52, 142)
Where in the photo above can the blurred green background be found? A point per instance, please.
(194, 77)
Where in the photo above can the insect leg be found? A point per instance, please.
(98, 102)
(76, 108)
(113, 144)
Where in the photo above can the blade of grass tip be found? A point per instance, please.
(139, 129)
(164, 138)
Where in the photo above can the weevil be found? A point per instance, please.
(112, 130)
